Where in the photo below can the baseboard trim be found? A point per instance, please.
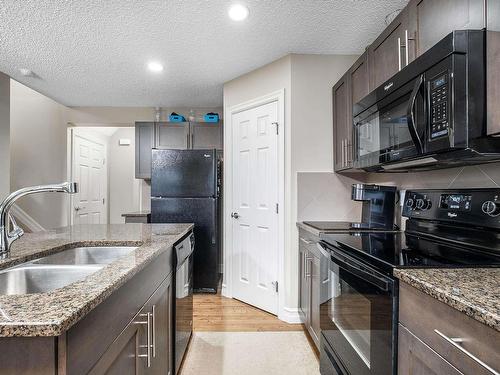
(290, 315)
(26, 219)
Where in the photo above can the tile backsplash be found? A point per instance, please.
(478, 176)
(327, 196)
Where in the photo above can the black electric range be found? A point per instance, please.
(359, 298)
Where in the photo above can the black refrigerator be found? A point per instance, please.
(186, 188)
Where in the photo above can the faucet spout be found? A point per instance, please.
(9, 235)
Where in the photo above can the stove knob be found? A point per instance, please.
(410, 203)
(491, 208)
(421, 204)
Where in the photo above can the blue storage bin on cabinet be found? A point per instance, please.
(174, 117)
(211, 117)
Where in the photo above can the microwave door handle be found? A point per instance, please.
(411, 114)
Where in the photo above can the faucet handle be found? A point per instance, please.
(16, 231)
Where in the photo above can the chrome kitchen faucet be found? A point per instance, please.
(8, 235)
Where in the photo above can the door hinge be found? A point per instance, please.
(103, 161)
(277, 128)
(275, 284)
(277, 208)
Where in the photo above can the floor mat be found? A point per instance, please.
(241, 353)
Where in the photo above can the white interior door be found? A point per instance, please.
(89, 204)
(255, 199)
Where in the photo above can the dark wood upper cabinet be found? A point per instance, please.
(172, 135)
(387, 54)
(431, 20)
(360, 78)
(342, 121)
(206, 135)
(144, 142)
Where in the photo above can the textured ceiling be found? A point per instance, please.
(94, 52)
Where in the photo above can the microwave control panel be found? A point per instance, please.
(439, 109)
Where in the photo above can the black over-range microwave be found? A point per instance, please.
(432, 114)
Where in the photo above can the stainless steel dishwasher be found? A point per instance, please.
(183, 298)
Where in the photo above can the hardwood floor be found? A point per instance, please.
(212, 312)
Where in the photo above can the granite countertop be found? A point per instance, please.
(52, 313)
(473, 291)
(137, 213)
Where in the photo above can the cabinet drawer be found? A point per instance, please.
(308, 241)
(432, 321)
(416, 358)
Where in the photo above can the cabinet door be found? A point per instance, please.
(172, 135)
(416, 358)
(303, 283)
(359, 79)
(144, 142)
(124, 355)
(432, 20)
(315, 299)
(386, 54)
(206, 135)
(159, 306)
(342, 120)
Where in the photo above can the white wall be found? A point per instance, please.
(4, 135)
(123, 187)
(38, 152)
(307, 80)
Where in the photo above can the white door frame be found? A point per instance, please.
(72, 131)
(227, 287)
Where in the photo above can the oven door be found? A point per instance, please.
(393, 128)
(358, 320)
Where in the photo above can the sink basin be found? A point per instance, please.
(87, 255)
(30, 278)
(58, 270)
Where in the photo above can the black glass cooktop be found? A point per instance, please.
(398, 249)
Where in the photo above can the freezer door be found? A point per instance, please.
(203, 213)
(184, 173)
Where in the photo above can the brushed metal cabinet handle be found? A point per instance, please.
(148, 338)
(306, 241)
(399, 54)
(454, 341)
(153, 318)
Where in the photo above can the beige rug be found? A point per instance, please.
(241, 353)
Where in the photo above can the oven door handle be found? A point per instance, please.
(412, 127)
(357, 268)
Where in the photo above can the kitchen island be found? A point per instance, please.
(80, 328)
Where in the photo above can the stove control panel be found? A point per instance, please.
(479, 207)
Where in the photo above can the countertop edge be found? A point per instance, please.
(477, 313)
(308, 228)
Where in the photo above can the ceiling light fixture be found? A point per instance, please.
(155, 67)
(238, 12)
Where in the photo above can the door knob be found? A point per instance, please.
(78, 208)
(235, 215)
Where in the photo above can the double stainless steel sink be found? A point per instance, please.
(58, 270)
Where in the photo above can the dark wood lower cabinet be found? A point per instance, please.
(416, 358)
(309, 284)
(129, 333)
(144, 345)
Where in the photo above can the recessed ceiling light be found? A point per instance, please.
(238, 12)
(155, 67)
(26, 72)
